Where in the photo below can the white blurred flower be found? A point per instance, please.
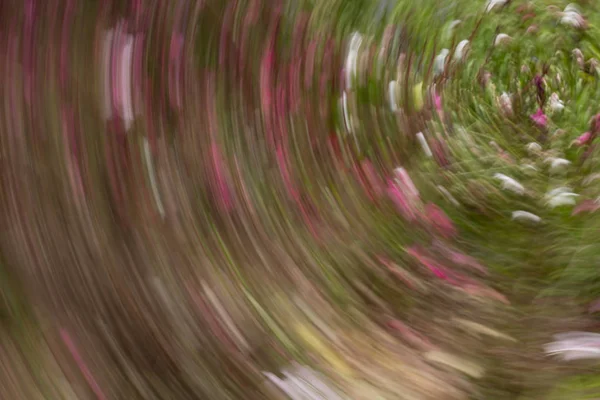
(561, 196)
(528, 168)
(521, 215)
(452, 25)
(491, 4)
(404, 180)
(556, 104)
(509, 183)
(424, 145)
(505, 102)
(572, 17)
(575, 346)
(590, 178)
(352, 57)
(460, 49)
(440, 62)
(558, 190)
(118, 46)
(533, 148)
(302, 383)
(557, 164)
(579, 58)
(392, 88)
(501, 38)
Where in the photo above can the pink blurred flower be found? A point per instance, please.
(437, 99)
(583, 139)
(439, 220)
(586, 206)
(369, 180)
(432, 265)
(539, 118)
(401, 201)
(406, 182)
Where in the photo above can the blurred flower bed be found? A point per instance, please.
(335, 199)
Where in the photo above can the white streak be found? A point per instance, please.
(509, 183)
(424, 145)
(501, 38)
(152, 175)
(493, 4)
(460, 49)
(534, 148)
(448, 195)
(125, 81)
(563, 199)
(352, 58)
(440, 62)
(521, 215)
(557, 164)
(575, 346)
(556, 104)
(392, 88)
(214, 300)
(505, 101)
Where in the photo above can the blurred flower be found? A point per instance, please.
(502, 38)
(406, 182)
(440, 62)
(403, 203)
(586, 206)
(556, 104)
(532, 29)
(557, 165)
(438, 218)
(583, 139)
(558, 198)
(572, 17)
(593, 66)
(528, 168)
(509, 183)
(491, 4)
(461, 49)
(437, 101)
(575, 346)
(505, 102)
(302, 383)
(521, 215)
(579, 58)
(352, 57)
(432, 265)
(424, 145)
(540, 118)
(392, 89)
(534, 148)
